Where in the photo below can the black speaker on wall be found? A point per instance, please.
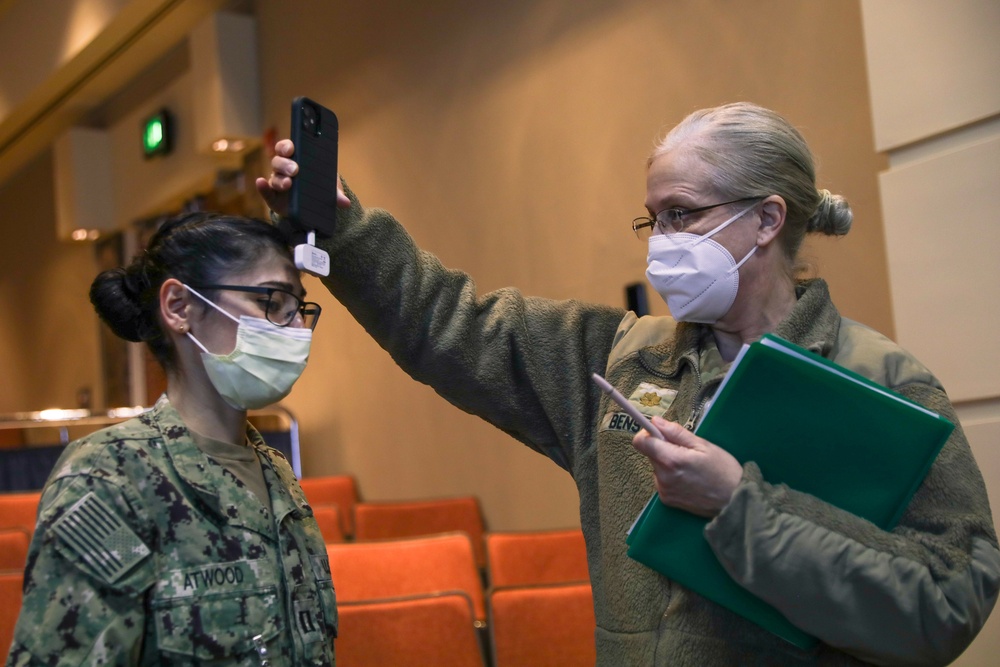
(635, 298)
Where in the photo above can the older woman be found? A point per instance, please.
(730, 193)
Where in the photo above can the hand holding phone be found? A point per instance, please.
(312, 203)
(627, 406)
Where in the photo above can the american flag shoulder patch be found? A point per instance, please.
(98, 535)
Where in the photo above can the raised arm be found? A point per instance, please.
(521, 363)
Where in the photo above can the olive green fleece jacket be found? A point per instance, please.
(916, 595)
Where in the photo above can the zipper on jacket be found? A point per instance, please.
(693, 419)
(702, 391)
(702, 402)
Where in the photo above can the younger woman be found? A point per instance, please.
(180, 537)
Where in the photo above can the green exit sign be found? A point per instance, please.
(156, 134)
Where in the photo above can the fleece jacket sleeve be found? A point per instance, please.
(521, 363)
(917, 595)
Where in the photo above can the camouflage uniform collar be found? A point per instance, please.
(197, 472)
(287, 496)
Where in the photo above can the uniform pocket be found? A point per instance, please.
(217, 610)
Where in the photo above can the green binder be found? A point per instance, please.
(810, 424)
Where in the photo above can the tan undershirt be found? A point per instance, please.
(241, 460)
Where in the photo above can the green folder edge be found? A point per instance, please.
(657, 519)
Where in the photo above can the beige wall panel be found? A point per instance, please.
(942, 240)
(983, 432)
(932, 65)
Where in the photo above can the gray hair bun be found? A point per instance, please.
(833, 215)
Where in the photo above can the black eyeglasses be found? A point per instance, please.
(281, 306)
(671, 220)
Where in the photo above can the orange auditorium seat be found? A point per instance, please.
(13, 549)
(408, 518)
(414, 631)
(330, 524)
(543, 626)
(536, 557)
(10, 606)
(339, 490)
(412, 566)
(19, 510)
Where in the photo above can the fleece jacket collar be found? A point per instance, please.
(814, 324)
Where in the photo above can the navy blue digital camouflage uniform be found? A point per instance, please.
(148, 552)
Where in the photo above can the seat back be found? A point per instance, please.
(412, 566)
(19, 510)
(409, 632)
(339, 490)
(10, 606)
(408, 518)
(539, 626)
(524, 558)
(13, 549)
(330, 524)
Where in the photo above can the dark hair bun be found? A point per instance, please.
(117, 298)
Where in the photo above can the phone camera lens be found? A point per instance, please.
(309, 118)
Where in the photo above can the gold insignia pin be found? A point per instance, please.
(650, 399)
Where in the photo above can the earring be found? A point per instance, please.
(183, 328)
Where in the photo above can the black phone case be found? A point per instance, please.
(313, 197)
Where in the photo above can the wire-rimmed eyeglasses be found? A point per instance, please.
(671, 220)
(280, 307)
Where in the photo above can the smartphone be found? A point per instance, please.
(627, 406)
(312, 205)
